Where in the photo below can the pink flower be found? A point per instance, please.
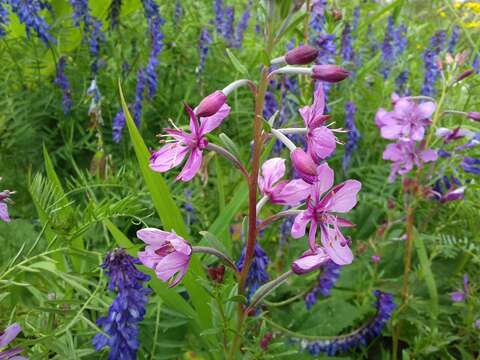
(283, 192)
(319, 213)
(405, 154)
(173, 153)
(6, 337)
(166, 253)
(310, 261)
(407, 120)
(321, 141)
(4, 197)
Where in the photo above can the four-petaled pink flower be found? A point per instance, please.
(284, 192)
(4, 197)
(319, 213)
(310, 260)
(405, 154)
(172, 154)
(6, 337)
(407, 120)
(321, 141)
(166, 253)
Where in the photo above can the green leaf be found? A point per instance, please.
(236, 63)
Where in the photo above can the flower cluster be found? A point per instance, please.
(432, 71)
(257, 274)
(155, 50)
(6, 337)
(81, 14)
(407, 124)
(224, 23)
(358, 338)
(62, 81)
(353, 135)
(4, 200)
(96, 38)
(128, 308)
(203, 47)
(326, 281)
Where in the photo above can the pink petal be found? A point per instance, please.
(343, 197)
(170, 265)
(393, 153)
(180, 244)
(9, 334)
(404, 108)
(380, 117)
(148, 257)
(391, 131)
(272, 171)
(309, 261)
(322, 143)
(300, 225)
(318, 106)
(336, 246)
(168, 157)
(154, 236)
(179, 276)
(324, 181)
(429, 155)
(312, 234)
(208, 124)
(4, 212)
(417, 133)
(194, 127)
(426, 109)
(293, 193)
(192, 165)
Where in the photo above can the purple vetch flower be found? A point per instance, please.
(400, 40)
(348, 55)
(139, 95)
(401, 81)
(461, 295)
(353, 135)
(317, 16)
(358, 338)
(257, 274)
(156, 36)
(118, 124)
(4, 17)
(242, 25)
(114, 13)
(4, 200)
(320, 214)
(405, 154)
(470, 165)
(431, 70)
(271, 104)
(476, 63)
(219, 15)
(387, 48)
(326, 281)
(27, 12)
(227, 30)
(473, 142)
(166, 253)
(6, 337)
(284, 192)
(127, 309)
(96, 37)
(452, 44)
(448, 189)
(477, 324)
(193, 144)
(151, 10)
(356, 16)
(81, 14)
(62, 81)
(188, 207)
(203, 47)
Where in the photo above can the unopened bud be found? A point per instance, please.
(474, 115)
(211, 104)
(304, 165)
(301, 55)
(337, 14)
(465, 74)
(329, 73)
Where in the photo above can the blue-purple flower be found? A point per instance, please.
(219, 15)
(242, 25)
(156, 48)
(431, 70)
(353, 135)
(471, 165)
(139, 95)
(348, 54)
(81, 14)
(452, 44)
(118, 124)
(151, 9)
(96, 37)
(461, 295)
(326, 281)
(127, 309)
(62, 81)
(4, 17)
(257, 274)
(6, 337)
(203, 47)
(227, 29)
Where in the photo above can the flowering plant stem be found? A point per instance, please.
(266, 289)
(217, 253)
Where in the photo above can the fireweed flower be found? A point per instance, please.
(448, 189)
(166, 253)
(257, 274)
(353, 135)
(283, 192)
(461, 295)
(28, 14)
(326, 281)
(310, 260)
(329, 73)
(193, 143)
(6, 337)
(156, 36)
(62, 81)
(358, 338)
(4, 200)
(319, 213)
(405, 154)
(127, 309)
(203, 47)
(407, 120)
(320, 139)
(81, 14)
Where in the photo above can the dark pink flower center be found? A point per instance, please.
(165, 249)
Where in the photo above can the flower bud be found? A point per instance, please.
(211, 104)
(465, 74)
(301, 55)
(474, 115)
(310, 261)
(304, 165)
(329, 73)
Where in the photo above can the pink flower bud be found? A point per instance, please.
(211, 104)
(304, 165)
(329, 73)
(310, 261)
(375, 259)
(301, 55)
(465, 74)
(474, 115)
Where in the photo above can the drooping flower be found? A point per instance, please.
(329, 73)
(405, 154)
(353, 135)
(320, 214)
(193, 143)
(461, 295)
(407, 120)
(127, 309)
(62, 81)
(118, 124)
(358, 338)
(301, 55)
(156, 36)
(6, 337)
(320, 139)
(326, 281)
(81, 14)
(27, 12)
(203, 47)
(310, 260)
(4, 200)
(166, 253)
(257, 274)
(286, 192)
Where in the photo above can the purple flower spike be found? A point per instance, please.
(461, 295)
(62, 81)
(4, 200)
(203, 47)
(353, 135)
(326, 281)
(4, 18)
(6, 337)
(257, 274)
(81, 13)
(118, 124)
